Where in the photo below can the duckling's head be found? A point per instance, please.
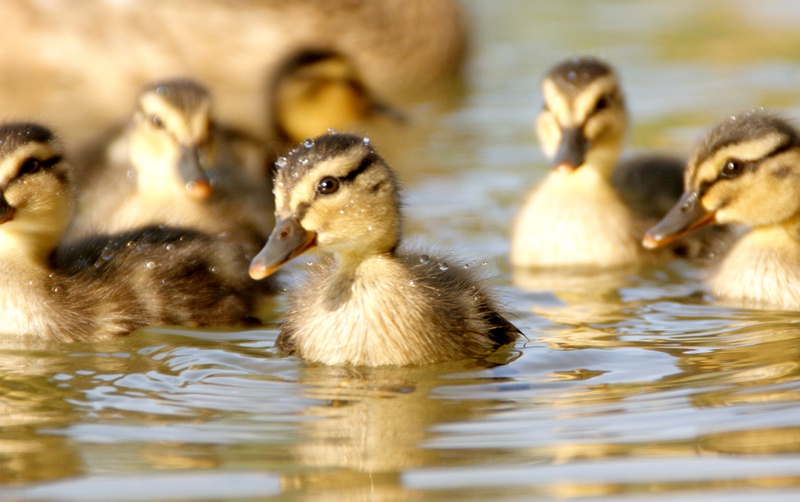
(317, 90)
(169, 136)
(35, 185)
(745, 171)
(334, 192)
(583, 119)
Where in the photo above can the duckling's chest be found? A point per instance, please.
(763, 267)
(574, 221)
(373, 317)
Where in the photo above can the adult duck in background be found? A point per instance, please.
(745, 171)
(372, 304)
(103, 286)
(403, 50)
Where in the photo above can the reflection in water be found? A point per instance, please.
(33, 398)
(372, 425)
(583, 297)
(28, 404)
(745, 367)
(576, 402)
(52, 394)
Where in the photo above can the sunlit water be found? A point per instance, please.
(631, 385)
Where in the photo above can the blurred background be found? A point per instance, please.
(629, 386)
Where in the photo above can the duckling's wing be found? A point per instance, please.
(503, 331)
(285, 343)
(242, 159)
(649, 184)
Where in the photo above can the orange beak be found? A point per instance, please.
(198, 186)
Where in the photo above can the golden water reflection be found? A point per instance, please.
(373, 425)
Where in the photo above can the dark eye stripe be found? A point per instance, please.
(47, 163)
(33, 165)
(362, 166)
(602, 103)
(365, 163)
(747, 166)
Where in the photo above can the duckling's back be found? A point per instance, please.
(152, 276)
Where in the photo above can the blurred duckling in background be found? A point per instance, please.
(318, 90)
(175, 165)
(746, 171)
(103, 286)
(589, 212)
(372, 305)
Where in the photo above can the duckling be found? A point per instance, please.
(175, 165)
(317, 90)
(745, 171)
(372, 305)
(103, 286)
(588, 212)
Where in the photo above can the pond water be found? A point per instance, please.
(631, 385)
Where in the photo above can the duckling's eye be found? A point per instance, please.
(602, 103)
(732, 169)
(328, 185)
(30, 166)
(156, 120)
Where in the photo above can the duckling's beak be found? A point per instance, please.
(198, 186)
(287, 240)
(571, 153)
(6, 211)
(686, 215)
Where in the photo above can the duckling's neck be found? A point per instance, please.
(575, 219)
(603, 160)
(350, 267)
(20, 257)
(26, 286)
(365, 312)
(763, 267)
(31, 243)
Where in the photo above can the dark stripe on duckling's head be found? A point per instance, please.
(184, 94)
(362, 166)
(575, 74)
(741, 129)
(15, 134)
(312, 152)
(306, 57)
(745, 127)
